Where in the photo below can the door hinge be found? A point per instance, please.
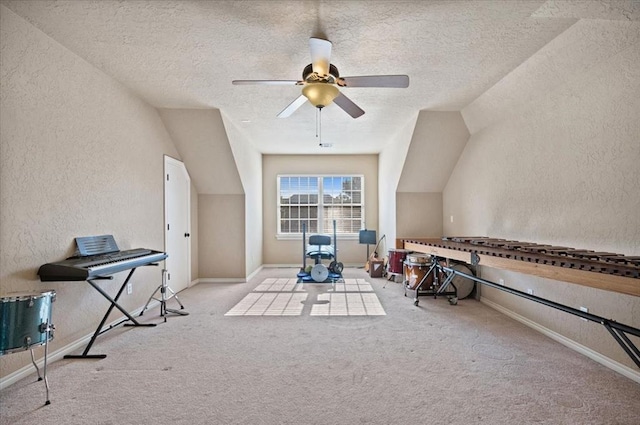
(167, 177)
(168, 226)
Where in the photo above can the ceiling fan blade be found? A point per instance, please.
(265, 82)
(349, 107)
(320, 55)
(293, 106)
(398, 81)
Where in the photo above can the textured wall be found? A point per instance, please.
(221, 229)
(419, 215)
(553, 158)
(290, 251)
(80, 155)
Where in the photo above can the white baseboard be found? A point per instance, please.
(61, 352)
(593, 355)
(227, 279)
(222, 280)
(309, 263)
(255, 272)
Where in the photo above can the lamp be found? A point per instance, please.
(320, 94)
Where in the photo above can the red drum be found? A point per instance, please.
(396, 260)
(415, 272)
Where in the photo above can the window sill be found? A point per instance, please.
(298, 236)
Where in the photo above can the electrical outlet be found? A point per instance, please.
(586, 310)
(530, 291)
(129, 288)
(501, 282)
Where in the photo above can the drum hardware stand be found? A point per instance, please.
(163, 288)
(45, 328)
(48, 329)
(436, 287)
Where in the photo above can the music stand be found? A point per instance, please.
(367, 237)
(163, 288)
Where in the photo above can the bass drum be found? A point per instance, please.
(24, 319)
(463, 284)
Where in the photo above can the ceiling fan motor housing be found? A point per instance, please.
(311, 77)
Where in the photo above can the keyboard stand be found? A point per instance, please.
(114, 303)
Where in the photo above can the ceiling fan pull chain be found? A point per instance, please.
(320, 125)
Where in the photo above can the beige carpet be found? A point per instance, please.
(432, 364)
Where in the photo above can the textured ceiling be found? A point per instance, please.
(184, 54)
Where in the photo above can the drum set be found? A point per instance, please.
(25, 323)
(422, 276)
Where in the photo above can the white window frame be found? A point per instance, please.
(320, 177)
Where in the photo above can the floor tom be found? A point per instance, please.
(396, 260)
(414, 273)
(24, 320)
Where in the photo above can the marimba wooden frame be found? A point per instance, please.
(621, 284)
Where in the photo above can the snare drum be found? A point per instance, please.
(418, 258)
(415, 272)
(396, 260)
(24, 320)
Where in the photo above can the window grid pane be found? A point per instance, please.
(301, 198)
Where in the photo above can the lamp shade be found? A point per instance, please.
(320, 94)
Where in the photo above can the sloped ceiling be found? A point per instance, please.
(184, 54)
(201, 141)
(438, 140)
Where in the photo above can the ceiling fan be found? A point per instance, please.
(321, 79)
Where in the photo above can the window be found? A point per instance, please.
(318, 200)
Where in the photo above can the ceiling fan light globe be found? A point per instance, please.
(320, 94)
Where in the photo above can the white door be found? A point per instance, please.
(177, 221)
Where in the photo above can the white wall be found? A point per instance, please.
(390, 164)
(437, 141)
(249, 165)
(201, 139)
(80, 155)
(436, 144)
(553, 158)
(221, 220)
(419, 215)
